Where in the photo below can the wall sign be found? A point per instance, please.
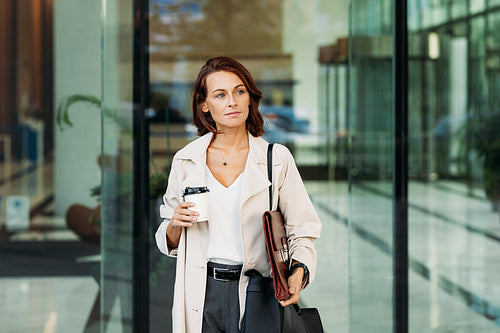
(17, 213)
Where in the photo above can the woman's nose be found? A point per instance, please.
(232, 100)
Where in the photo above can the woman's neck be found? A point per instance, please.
(230, 140)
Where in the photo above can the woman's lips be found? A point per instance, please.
(232, 114)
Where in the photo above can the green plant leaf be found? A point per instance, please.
(62, 112)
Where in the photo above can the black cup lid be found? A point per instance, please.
(195, 190)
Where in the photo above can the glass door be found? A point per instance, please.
(117, 278)
(297, 53)
(454, 234)
(371, 167)
(452, 187)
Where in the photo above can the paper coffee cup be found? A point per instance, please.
(199, 196)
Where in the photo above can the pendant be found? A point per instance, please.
(224, 163)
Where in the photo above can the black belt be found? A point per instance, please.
(224, 274)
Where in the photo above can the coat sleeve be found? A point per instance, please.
(302, 222)
(171, 199)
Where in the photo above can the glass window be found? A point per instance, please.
(50, 166)
(434, 12)
(370, 175)
(453, 178)
(478, 36)
(477, 5)
(297, 54)
(453, 215)
(414, 15)
(493, 24)
(66, 153)
(117, 276)
(459, 8)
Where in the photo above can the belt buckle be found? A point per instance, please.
(217, 270)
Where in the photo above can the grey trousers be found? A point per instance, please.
(221, 313)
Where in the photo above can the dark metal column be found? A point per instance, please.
(140, 168)
(400, 179)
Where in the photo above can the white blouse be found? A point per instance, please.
(224, 223)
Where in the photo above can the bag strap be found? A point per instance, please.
(270, 173)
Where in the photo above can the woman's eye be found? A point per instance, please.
(240, 92)
(220, 95)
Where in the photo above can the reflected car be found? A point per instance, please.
(282, 126)
(283, 118)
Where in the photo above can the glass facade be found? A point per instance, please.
(49, 166)
(371, 167)
(453, 210)
(76, 105)
(452, 137)
(117, 163)
(302, 73)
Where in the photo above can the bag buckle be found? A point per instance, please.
(284, 251)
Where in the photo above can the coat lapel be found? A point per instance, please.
(255, 177)
(196, 152)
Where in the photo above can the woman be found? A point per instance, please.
(230, 158)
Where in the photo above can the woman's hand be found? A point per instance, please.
(294, 287)
(183, 217)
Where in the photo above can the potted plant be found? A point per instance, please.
(86, 221)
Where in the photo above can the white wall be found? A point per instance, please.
(307, 25)
(77, 39)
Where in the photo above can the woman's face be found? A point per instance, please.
(227, 100)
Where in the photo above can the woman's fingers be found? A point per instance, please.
(184, 213)
(294, 288)
(294, 299)
(178, 222)
(183, 216)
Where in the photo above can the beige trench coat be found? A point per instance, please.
(303, 225)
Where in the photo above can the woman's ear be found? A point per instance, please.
(204, 107)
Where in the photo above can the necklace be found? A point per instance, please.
(227, 155)
(225, 158)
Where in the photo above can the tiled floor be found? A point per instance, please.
(454, 248)
(46, 304)
(454, 254)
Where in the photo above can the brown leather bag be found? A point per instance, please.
(276, 239)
